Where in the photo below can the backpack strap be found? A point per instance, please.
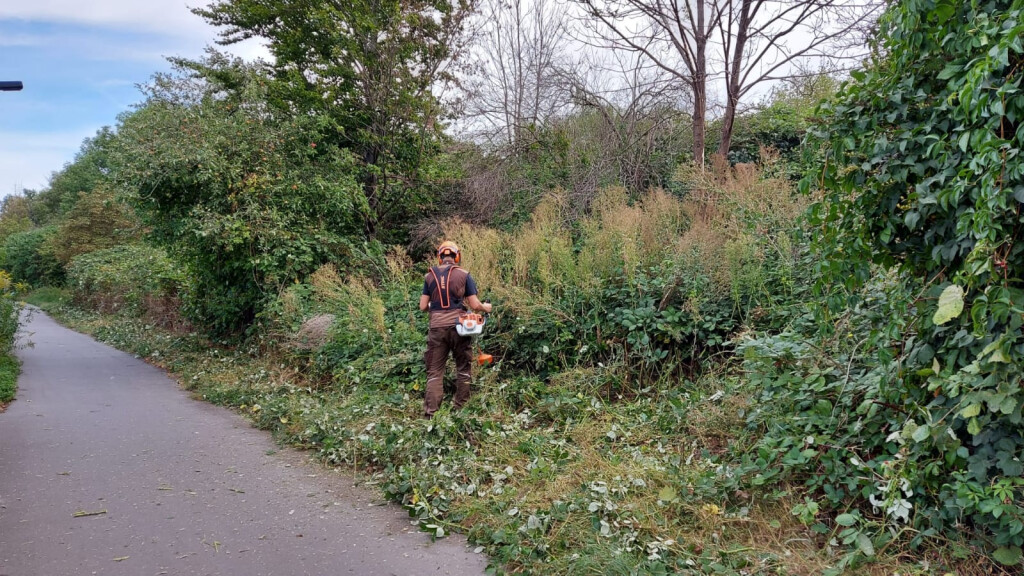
(441, 284)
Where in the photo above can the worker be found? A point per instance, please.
(447, 292)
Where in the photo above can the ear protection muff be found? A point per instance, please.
(450, 248)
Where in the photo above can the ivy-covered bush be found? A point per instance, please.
(909, 407)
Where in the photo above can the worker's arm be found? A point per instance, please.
(424, 302)
(476, 304)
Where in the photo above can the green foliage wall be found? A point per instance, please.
(919, 394)
(133, 278)
(98, 220)
(247, 199)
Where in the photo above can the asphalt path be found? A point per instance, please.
(176, 486)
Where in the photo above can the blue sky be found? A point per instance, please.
(81, 62)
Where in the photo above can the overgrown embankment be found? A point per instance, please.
(614, 435)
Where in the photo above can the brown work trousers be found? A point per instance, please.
(439, 342)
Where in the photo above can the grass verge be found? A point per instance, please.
(9, 370)
(48, 298)
(546, 476)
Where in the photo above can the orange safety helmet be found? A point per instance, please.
(449, 248)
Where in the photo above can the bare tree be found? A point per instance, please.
(675, 36)
(521, 45)
(741, 42)
(639, 104)
(766, 40)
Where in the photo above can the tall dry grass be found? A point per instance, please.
(738, 220)
(731, 223)
(541, 252)
(482, 251)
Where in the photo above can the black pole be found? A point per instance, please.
(12, 86)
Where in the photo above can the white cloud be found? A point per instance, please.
(170, 17)
(174, 29)
(28, 158)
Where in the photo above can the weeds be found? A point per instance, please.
(606, 439)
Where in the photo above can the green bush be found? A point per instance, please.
(95, 222)
(9, 370)
(134, 279)
(10, 313)
(29, 258)
(248, 199)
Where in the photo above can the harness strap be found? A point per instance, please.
(441, 284)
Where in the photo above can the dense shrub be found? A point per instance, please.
(10, 311)
(247, 198)
(902, 406)
(650, 288)
(95, 222)
(30, 259)
(135, 279)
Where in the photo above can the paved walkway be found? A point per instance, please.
(180, 486)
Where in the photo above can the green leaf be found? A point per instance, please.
(944, 11)
(864, 545)
(998, 356)
(667, 494)
(949, 71)
(951, 304)
(1008, 405)
(1008, 555)
(921, 433)
(846, 519)
(964, 140)
(973, 427)
(971, 411)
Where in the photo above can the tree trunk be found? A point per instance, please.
(727, 123)
(700, 86)
(732, 85)
(699, 121)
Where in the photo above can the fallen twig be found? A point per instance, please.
(83, 513)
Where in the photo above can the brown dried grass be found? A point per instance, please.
(482, 250)
(734, 212)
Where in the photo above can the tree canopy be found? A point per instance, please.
(371, 68)
(246, 196)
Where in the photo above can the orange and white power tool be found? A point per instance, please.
(472, 325)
